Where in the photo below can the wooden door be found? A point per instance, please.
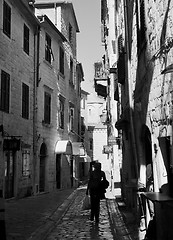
(9, 174)
(58, 171)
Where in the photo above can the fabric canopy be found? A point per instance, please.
(78, 149)
(63, 147)
(87, 158)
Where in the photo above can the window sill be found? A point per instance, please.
(48, 63)
(71, 84)
(71, 132)
(26, 176)
(48, 125)
(60, 129)
(61, 75)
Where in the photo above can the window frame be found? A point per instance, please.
(26, 34)
(61, 60)
(47, 107)
(71, 80)
(6, 19)
(61, 112)
(70, 32)
(71, 117)
(5, 92)
(26, 170)
(25, 101)
(48, 49)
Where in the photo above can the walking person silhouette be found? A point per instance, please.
(95, 190)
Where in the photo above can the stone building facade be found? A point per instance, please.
(106, 85)
(18, 39)
(59, 77)
(143, 68)
(40, 99)
(145, 46)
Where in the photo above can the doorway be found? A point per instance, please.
(147, 144)
(58, 171)
(71, 171)
(165, 147)
(9, 174)
(43, 155)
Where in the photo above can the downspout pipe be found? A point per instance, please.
(36, 81)
(129, 86)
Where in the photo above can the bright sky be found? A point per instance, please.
(89, 46)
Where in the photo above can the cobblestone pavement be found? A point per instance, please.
(75, 224)
(29, 215)
(59, 216)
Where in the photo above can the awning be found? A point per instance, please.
(64, 147)
(78, 149)
(85, 159)
(168, 69)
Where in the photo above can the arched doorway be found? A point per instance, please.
(63, 151)
(43, 155)
(147, 145)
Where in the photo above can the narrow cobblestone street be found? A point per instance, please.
(75, 224)
(59, 216)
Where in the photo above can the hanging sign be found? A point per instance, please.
(112, 140)
(11, 144)
(107, 149)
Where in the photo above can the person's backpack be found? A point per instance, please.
(94, 183)
(104, 184)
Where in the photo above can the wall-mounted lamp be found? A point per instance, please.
(155, 148)
(168, 69)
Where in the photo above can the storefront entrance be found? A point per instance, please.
(9, 174)
(58, 171)
(43, 154)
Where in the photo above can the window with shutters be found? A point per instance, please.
(26, 163)
(48, 50)
(7, 19)
(71, 118)
(61, 60)
(25, 101)
(70, 33)
(5, 91)
(61, 112)
(47, 108)
(26, 39)
(71, 71)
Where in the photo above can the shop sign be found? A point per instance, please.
(107, 149)
(11, 144)
(112, 140)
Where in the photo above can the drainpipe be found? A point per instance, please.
(55, 7)
(128, 76)
(36, 81)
